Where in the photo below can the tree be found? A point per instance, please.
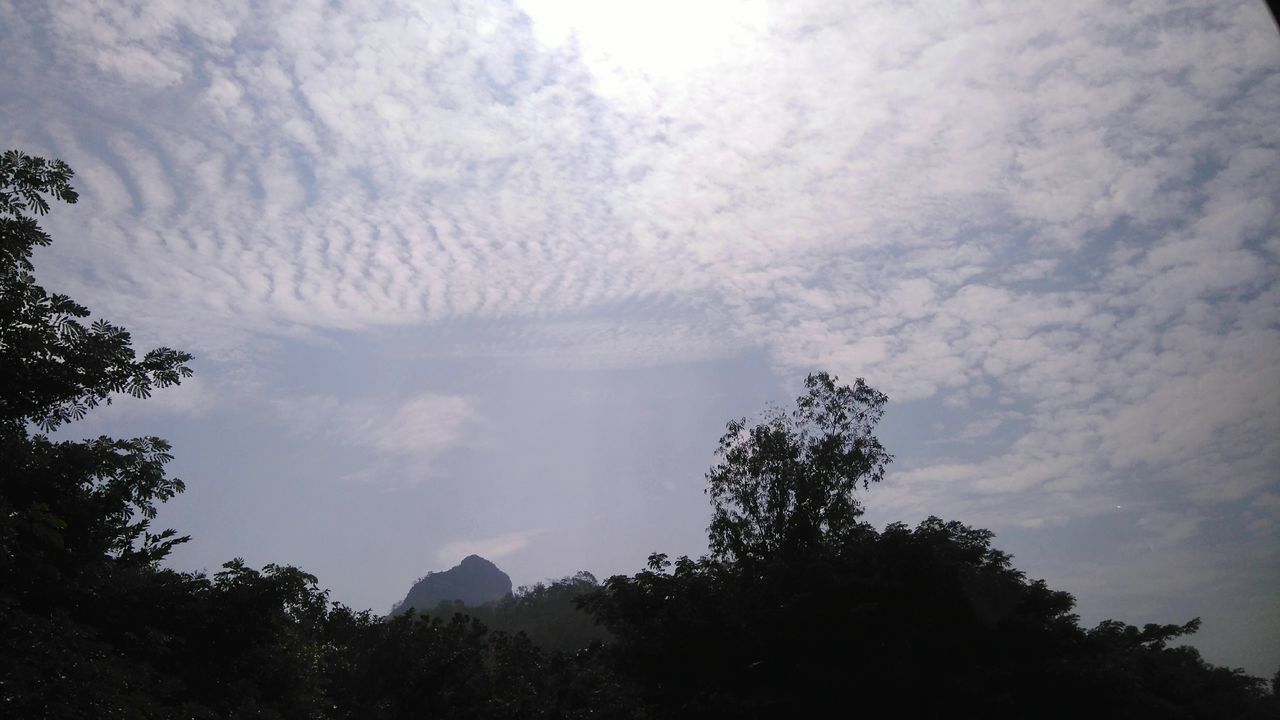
(56, 368)
(76, 548)
(802, 608)
(787, 484)
(547, 613)
(75, 499)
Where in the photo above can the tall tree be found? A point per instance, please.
(802, 608)
(56, 368)
(75, 538)
(788, 482)
(73, 501)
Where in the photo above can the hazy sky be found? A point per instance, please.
(492, 276)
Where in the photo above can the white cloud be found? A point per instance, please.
(870, 192)
(417, 429)
(490, 548)
(613, 343)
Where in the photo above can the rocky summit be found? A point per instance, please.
(474, 581)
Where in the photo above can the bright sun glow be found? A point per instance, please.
(660, 39)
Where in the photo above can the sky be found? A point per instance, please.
(491, 277)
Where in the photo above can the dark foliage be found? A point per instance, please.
(801, 608)
(929, 621)
(415, 666)
(547, 613)
(90, 625)
(56, 368)
(786, 485)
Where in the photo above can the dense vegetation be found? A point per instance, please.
(800, 607)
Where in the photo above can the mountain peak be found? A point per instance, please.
(474, 581)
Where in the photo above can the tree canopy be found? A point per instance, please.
(801, 607)
(56, 367)
(67, 505)
(787, 483)
(90, 624)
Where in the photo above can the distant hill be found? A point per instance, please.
(473, 582)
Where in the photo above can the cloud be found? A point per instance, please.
(1070, 208)
(871, 192)
(622, 342)
(1171, 528)
(490, 548)
(415, 430)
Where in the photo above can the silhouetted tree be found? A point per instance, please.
(90, 625)
(546, 612)
(74, 516)
(787, 483)
(802, 609)
(55, 367)
(414, 666)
